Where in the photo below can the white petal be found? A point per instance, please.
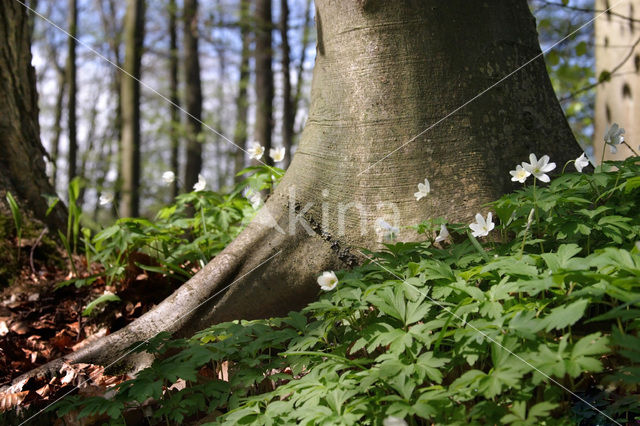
(444, 233)
(543, 178)
(548, 167)
(543, 161)
(394, 421)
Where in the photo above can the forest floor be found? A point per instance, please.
(40, 320)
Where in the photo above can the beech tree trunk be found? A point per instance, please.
(173, 95)
(22, 166)
(72, 90)
(193, 94)
(130, 98)
(57, 122)
(263, 126)
(113, 33)
(288, 113)
(385, 72)
(242, 103)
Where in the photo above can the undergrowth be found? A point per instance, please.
(178, 242)
(538, 324)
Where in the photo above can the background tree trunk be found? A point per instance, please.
(130, 98)
(72, 90)
(617, 51)
(242, 103)
(22, 167)
(385, 71)
(263, 126)
(112, 28)
(89, 151)
(306, 31)
(57, 123)
(288, 113)
(173, 95)
(193, 94)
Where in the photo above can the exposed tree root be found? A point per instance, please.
(264, 272)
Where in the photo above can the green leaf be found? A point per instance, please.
(604, 76)
(15, 212)
(563, 316)
(553, 58)
(107, 297)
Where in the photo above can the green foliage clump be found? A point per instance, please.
(538, 325)
(181, 238)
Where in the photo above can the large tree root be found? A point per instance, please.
(264, 272)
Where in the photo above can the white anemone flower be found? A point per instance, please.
(386, 230)
(482, 227)
(277, 154)
(168, 177)
(255, 200)
(394, 421)
(255, 150)
(423, 190)
(614, 137)
(520, 174)
(328, 280)
(200, 185)
(581, 162)
(539, 168)
(106, 198)
(443, 235)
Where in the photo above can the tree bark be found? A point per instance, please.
(113, 33)
(130, 98)
(193, 94)
(173, 95)
(242, 103)
(288, 113)
(22, 167)
(72, 90)
(90, 146)
(263, 126)
(57, 126)
(385, 71)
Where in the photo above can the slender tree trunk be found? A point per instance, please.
(288, 113)
(89, 151)
(72, 92)
(130, 98)
(173, 95)
(219, 113)
(385, 72)
(22, 167)
(57, 126)
(263, 126)
(193, 94)
(108, 150)
(113, 34)
(242, 103)
(306, 32)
